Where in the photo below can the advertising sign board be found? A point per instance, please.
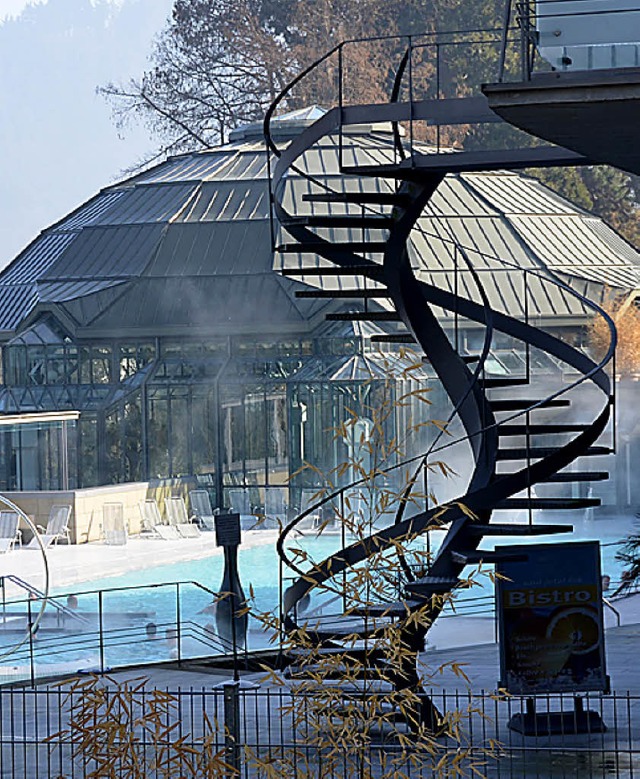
(549, 610)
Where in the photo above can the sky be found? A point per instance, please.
(12, 8)
(58, 143)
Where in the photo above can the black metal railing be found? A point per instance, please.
(114, 628)
(254, 731)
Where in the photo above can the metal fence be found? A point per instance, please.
(72, 731)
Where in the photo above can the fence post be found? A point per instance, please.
(101, 631)
(231, 692)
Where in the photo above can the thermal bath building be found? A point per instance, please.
(149, 335)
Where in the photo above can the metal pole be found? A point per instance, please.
(178, 623)
(31, 660)
(232, 729)
(411, 98)
(101, 630)
(340, 102)
(230, 560)
(505, 36)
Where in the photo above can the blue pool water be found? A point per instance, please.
(115, 631)
(259, 565)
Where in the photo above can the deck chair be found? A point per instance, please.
(239, 500)
(178, 517)
(113, 526)
(9, 532)
(201, 508)
(57, 528)
(152, 525)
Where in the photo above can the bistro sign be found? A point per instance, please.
(549, 609)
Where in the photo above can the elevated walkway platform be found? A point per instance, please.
(594, 113)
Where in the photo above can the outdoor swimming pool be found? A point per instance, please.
(115, 611)
(259, 565)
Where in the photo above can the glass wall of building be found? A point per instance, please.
(239, 415)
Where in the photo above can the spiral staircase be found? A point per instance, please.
(514, 438)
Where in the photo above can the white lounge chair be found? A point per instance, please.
(239, 500)
(152, 524)
(57, 528)
(201, 508)
(113, 526)
(9, 532)
(178, 517)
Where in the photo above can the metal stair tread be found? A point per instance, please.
(551, 504)
(363, 316)
(393, 338)
(358, 221)
(564, 477)
(395, 608)
(310, 247)
(540, 429)
(538, 452)
(503, 381)
(474, 557)
(519, 529)
(427, 586)
(372, 271)
(466, 161)
(369, 294)
(520, 404)
(359, 198)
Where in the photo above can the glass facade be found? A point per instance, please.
(238, 414)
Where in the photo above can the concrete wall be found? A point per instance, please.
(87, 505)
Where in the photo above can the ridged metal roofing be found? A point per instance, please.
(187, 244)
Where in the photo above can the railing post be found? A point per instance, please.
(280, 603)
(437, 93)
(32, 669)
(178, 627)
(411, 96)
(231, 693)
(527, 345)
(343, 538)
(340, 105)
(456, 323)
(101, 630)
(614, 405)
(505, 38)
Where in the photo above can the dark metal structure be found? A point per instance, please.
(589, 101)
(516, 452)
